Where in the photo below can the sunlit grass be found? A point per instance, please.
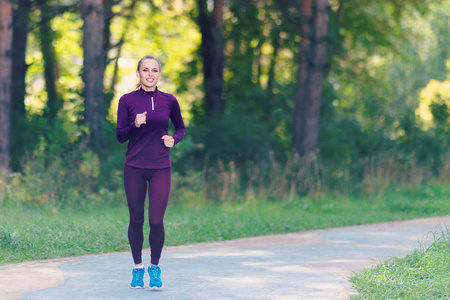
(422, 274)
(38, 233)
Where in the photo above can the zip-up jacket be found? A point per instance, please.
(146, 149)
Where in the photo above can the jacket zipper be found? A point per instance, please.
(153, 105)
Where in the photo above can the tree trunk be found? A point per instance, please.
(212, 50)
(93, 72)
(18, 87)
(20, 33)
(54, 102)
(311, 67)
(6, 33)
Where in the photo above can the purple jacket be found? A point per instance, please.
(145, 147)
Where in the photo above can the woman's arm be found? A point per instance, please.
(177, 120)
(125, 129)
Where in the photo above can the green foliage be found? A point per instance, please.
(422, 274)
(234, 137)
(434, 104)
(60, 173)
(371, 94)
(381, 55)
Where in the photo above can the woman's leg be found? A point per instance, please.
(135, 190)
(158, 191)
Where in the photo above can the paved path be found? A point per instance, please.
(304, 265)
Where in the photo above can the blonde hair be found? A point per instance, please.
(139, 65)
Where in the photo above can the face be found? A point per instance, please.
(148, 74)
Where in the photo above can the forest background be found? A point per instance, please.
(282, 99)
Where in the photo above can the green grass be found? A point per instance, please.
(31, 232)
(422, 274)
(34, 233)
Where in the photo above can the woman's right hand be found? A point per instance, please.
(140, 119)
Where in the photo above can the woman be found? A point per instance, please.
(142, 120)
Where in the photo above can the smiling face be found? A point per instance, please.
(149, 73)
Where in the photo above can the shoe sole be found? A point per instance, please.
(156, 287)
(137, 287)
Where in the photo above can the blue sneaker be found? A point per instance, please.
(155, 277)
(138, 278)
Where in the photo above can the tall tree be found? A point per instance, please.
(54, 101)
(20, 32)
(93, 71)
(18, 87)
(6, 32)
(314, 18)
(212, 51)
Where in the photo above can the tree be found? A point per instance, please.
(6, 33)
(18, 88)
(54, 101)
(375, 75)
(20, 32)
(311, 67)
(212, 51)
(93, 71)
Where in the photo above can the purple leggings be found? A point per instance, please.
(136, 182)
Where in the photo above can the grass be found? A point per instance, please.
(422, 274)
(32, 232)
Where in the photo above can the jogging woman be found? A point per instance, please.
(142, 120)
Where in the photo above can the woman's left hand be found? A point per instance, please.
(168, 141)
